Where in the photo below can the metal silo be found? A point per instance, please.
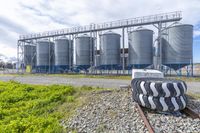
(84, 52)
(177, 46)
(140, 52)
(44, 50)
(29, 55)
(62, 56)
(110, 51)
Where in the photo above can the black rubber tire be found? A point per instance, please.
(165, 104)
(158, 87)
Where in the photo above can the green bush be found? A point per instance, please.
(31, 108)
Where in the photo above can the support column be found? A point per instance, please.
(192, 65)
(53, 56)
(95, 49)
(74, 48)
(17, 65)
(160, 45)
(49, 56)
(22, 56)
(70, 52)
(123, 52)
(91, 49)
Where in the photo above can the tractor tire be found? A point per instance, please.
(159, 87)
(165, 104)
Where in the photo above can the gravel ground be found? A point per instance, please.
(114, 112)
(194, 104)
(111, 112)
(170, 124)
(193, 87)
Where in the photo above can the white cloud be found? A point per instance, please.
(8, 51)
(24, 16)
(196, 33)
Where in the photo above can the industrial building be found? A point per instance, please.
(96, 47)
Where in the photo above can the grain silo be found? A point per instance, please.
(44, 56)
(140, 52)
(84, 47)
(177, 46)
(30, 55)
(110, 51)
(62, 54)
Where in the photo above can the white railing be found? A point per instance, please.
(165, 17)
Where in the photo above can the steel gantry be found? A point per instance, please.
(94, 29)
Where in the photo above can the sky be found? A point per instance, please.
(29, 16)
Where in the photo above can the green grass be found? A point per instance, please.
(75, 76)
(122, 77)
(93, 76)
(38, 108)
(187, 79)
(194, 95)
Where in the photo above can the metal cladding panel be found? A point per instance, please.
(83, 46)
(29, 55)
(177, 46)
(97, 60)
(61, 68)
(110, 49)
(61, 52)
(140, 47)
(44, 50)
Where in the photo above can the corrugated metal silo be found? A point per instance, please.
(84, 51)
(44, 49)
(140, 53)
(62, 56)
(177, 46)
(110, 51)
(30, 55)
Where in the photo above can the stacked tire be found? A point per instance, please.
(159, 94)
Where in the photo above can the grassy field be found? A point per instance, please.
(194, 96)
(122, 77)
(76, 76)
(94, 76)
(187, 79)
(38, 108)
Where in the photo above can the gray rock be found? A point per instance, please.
(114, 112)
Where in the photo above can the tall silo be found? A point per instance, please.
(177, 46)
(84, 47)
(110, 51)
(140, 52)
(44, 56)
(30, 55)
(62, 54)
